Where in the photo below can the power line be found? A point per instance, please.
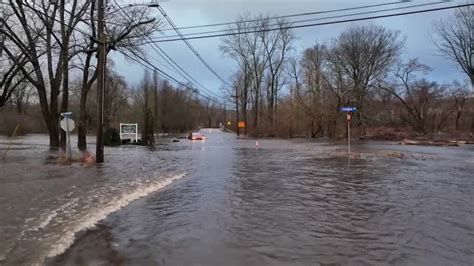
(293, 15)
(89, 35)
(152, 67)
(306, 20)
(168, 59)
(312, 25)
(162, 11)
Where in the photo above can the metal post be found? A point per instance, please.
(100, 82)
(348, 134)
(136, 133)
(68, 136)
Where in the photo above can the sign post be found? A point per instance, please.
(67, 124)
(241, 124)
(128, 130)
(350, 111)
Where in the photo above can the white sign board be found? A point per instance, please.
(129, 131)
(67, 124)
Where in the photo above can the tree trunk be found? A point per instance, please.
(458, 117)
(82, 123)
(53, 131)
(255, 118)
(472, 123)
(53, 122)
(65, 98)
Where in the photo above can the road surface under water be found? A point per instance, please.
(226, 201)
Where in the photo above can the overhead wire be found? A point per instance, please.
(311, 25)
(293, 15)
(170, 61)
(306, 20)
(89, 35)
(152, 67)
(163, 12)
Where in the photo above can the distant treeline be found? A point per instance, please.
(280, 93)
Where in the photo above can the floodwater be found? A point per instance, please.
(226, 201)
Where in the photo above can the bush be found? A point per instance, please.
(112, 137)
(10, 120)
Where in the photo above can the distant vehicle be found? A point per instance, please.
(196, 136)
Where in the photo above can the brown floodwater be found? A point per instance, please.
(226, 201)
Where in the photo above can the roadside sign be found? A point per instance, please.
(349, 117)
(67, 124)
(241, 124)
(349, 109)
(67, 114)
(128, 131)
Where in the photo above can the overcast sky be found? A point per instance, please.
(417, 29)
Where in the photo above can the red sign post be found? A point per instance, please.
(350, 111)
(349, 119)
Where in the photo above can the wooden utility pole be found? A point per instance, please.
(2, 36)
(155, 96)
(237, 108)
(225, 114)
(100, 81)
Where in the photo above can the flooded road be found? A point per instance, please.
(227, 202)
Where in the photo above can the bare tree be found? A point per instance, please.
(10, 79)
(361, 55)
(455, 39)
(125, 35)
(460, 95)
(309, 94)
(117, 97)
(277, 45)
(147, 132)
(249, 52)
(416, 95)
(22, 95)
(294, 72)
(155, 88)
(34, 32)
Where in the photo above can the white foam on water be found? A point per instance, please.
(93, 217)
(53, 214)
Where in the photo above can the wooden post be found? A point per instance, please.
(100, 81)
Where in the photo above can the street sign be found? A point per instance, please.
(128, 131)
(349, 117)
(67, 124)
(241, 124)
(349, 109)
(67, 114)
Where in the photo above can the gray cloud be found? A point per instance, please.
(416, 28)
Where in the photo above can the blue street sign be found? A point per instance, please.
(348, 109)
(67, 114)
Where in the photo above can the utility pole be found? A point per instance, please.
(225, 114)
(349, 118)
(2, 36)
(237, 108)
(100, 81)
